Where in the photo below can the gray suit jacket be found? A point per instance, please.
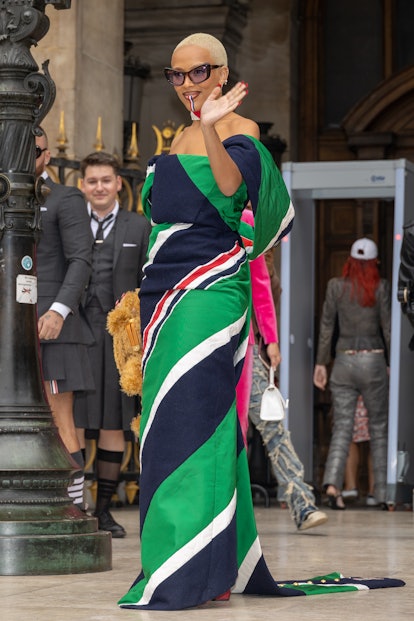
(64, 254)
(130, 251)
(360, 327)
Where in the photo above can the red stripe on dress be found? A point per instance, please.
(157, 313)
(204, 269)
(247, 242)
(184, 283)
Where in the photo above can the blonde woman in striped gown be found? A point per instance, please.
(198, 532)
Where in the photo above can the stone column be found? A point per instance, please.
(86, 48)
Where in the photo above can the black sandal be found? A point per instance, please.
(333, 502)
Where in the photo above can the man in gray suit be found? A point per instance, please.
(119, 253)
(64, 258)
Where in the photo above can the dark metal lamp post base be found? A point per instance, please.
(42, 555)
(41, 530)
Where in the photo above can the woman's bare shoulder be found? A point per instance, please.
(237, 124)
(252, 128)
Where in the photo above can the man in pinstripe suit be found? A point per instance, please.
(64, 256)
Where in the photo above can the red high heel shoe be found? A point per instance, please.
(224, 597)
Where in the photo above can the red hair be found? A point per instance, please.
(364, 278)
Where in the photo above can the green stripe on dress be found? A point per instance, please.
(183, 336)
(176, 500)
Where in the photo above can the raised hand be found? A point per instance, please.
(217, 105)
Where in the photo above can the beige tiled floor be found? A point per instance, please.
(358, 542)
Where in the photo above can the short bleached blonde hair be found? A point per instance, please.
(208, 42)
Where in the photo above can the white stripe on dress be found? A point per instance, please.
(202, 351)
(247, 567)
(189, 550)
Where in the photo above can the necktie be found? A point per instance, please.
(102, 224)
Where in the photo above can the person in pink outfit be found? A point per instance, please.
(265, 314)
(286, 465)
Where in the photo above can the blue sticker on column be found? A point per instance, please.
(27, 263)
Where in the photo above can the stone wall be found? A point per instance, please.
(86, 50)
(266, 63)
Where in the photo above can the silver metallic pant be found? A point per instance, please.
(362, 373)
(286, 465)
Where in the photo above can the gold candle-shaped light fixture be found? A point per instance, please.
(62, 140)
(133, 153)
(99, 145)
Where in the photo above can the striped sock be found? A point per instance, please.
(75, 489)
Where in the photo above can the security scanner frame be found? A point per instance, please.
(307, 183)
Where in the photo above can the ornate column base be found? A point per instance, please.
(41, 555)
(41, 531)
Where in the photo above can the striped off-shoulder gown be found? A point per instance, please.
(198, 532)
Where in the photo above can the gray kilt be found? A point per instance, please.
(106, 407)
(68, 364)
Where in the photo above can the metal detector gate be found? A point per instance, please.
(307, 183)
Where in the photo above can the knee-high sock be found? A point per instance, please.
(107, 473)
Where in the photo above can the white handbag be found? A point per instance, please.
(273, 405)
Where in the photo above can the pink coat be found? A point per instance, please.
(265, 314)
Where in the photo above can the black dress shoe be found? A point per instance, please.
(107, 522)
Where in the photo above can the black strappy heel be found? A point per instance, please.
(333, 502)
